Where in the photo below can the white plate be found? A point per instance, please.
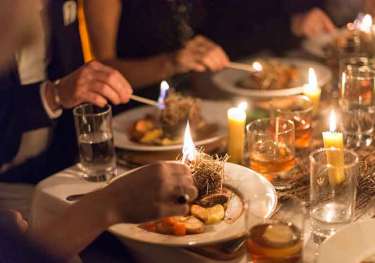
(227, 79)
(350, 245)
(213, 112)
(315, 46)
(246, 181)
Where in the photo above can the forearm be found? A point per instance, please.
(69, 234)
(145, 71)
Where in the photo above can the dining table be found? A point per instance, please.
(54, 194)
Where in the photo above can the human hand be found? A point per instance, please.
(200, 54)
(312, 23)
(150, 193)
(93, 83)
(13, 221)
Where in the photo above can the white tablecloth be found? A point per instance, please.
(49, 201)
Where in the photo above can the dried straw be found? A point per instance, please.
(208, 172)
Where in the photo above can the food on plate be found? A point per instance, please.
(274, 75)
(216, 203)
(349, 41)
(165, 127)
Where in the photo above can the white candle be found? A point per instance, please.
(312, 89)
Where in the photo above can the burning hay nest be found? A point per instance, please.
(208, 173)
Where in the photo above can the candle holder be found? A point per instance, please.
(271, 147)
(298, 109)
(332, 189)
(356, 99)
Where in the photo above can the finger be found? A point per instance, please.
(172, 209)
(95, 98)
(328, 24)
(113, 78)
(106, 91)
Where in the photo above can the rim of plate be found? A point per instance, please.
(359, 233)
(232, 88)
(174, 241)
(122, 140)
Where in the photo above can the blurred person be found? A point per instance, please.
(149, 40)
(145, 194)
(41, 85)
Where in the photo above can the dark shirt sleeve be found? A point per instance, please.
(21, 110)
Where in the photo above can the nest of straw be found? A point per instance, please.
(208, 172)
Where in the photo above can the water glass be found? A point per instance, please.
(95, 139)
(356, 98)
(278, 239)
(271, 149)
(332, 189)
(299, 109)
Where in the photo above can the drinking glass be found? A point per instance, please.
(95, 140)
(278, 239)
(271, 149)
(299, 109)
(333, 187)
(356, 98)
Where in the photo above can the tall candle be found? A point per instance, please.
(312, 89)
(334, 139)
(236, 133)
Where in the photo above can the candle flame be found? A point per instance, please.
(164, 87)
(312, 84)
(188, 150)
(332, 121)
(243, 105)
(257, 66)
(364, 23)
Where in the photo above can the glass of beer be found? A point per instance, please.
(278, 239)
(299, 109)
(271, 147)
(95, 140)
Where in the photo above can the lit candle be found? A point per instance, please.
(236, 132)
(164, 87)
(312, 89)
(334, 139)
(189, 151)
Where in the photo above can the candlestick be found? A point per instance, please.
(312, 90)
(236, 133)
(334, 139)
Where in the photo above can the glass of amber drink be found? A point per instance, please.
(278, 239)
(271, 148)
(299, 109)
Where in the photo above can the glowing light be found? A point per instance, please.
(164, 87)
(243, 105)
(364, 23)
(188, 150)
(332, 121)
(257, 66)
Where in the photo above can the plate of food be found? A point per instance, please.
(218, 213)
(151, 129)
(343, 41)
(359, 235)
(326, 45)
(277, 77)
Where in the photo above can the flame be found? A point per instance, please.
(164, 87)
(364, 23)
(188, 150)
(332, 121)
(243, 105)
(312, 85)
(257, 66)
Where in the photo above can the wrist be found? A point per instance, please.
(52, 95)
(170, 65)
